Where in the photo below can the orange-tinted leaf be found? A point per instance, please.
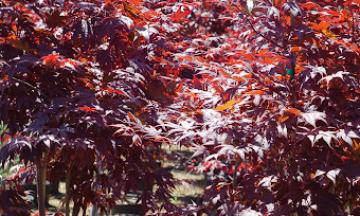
(268, 60)
(87, 109)
(356, 144)
(51, 59)
(310, 5)
(16, 43)
(5, 78)
(268, 81)
(256, 92)
(224, 73)
(279, 77)
(150, 14)
(22, 45)
(186, 58)
(132, 11)
(249, 75)
(329, 34)
(294, 111)
(87, 82)
(135, 2)
(115, 91)
(182, 12)
(282, 118)
(228, 105)
(323, 28)
(179, 87)
(238, 78)
(296, 49)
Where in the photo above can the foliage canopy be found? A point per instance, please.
(267, 92)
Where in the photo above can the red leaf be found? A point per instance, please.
(181, 13)
(115, 91)
(294, 111)
(256, 92)
(228, 105)
(51, 59)
(87, 109)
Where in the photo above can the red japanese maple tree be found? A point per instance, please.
(271, 103)
(77, 94)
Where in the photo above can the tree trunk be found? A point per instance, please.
(67, 192)
(41, 166)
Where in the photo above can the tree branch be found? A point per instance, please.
(30, 86)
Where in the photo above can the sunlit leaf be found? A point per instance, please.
(228, 105)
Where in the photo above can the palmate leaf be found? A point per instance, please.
(327, 136)
(312, 117)
(17, 147)
(228, 105)
(347, 135)
(331, 174)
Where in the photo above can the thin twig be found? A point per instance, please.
(67, 190)
(25, 83)
(30, 86)
(263, 36)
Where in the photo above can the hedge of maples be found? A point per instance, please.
(265, 91)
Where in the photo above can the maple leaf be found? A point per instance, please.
(17, 43)
(313, 116)
(327, 136)
(87, 109)
(228, 105)
(180, 14)
(135, 2)
(323, 27)
(51, 59)
(347, 136)
(256, 92)
(282, 118)
(115, 91)
(294, 111)
(332, 174)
